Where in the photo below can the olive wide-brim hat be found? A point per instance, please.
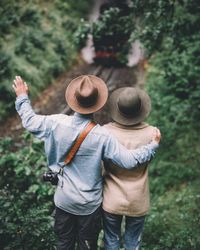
(86, 94)
(129, 106)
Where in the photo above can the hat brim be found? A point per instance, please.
(101, 99)
(117, 116)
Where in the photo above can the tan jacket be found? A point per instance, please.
(126, 192)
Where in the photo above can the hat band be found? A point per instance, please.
(130, 115)
(86, 104)
(87, 101)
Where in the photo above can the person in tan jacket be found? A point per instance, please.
(126, 192)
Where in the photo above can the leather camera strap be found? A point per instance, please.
(78, 142)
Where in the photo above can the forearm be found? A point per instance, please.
(129, 159)
(144, 153)
(31, 121)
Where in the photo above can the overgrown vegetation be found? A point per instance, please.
(110, 34)
(26, 201)
(169, 31)
(36, 42)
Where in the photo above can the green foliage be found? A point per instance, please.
(81, 34)
(169, 31)
(36, 43)
(111, 24)
(111, 30)
(154, 21)
(26, 202)
(174, 220)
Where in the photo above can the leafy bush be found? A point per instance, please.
(174, 220)
(82, 33)
(170, 33)
(26, 201)
(111, 24)
(35, 34)
(111, 31)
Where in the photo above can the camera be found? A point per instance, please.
(51, 177)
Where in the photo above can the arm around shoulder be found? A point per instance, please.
(129, 159)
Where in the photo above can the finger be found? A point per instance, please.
(158, 135)
(26, 86)
(155, 132)
(19, 80)
(14, 87)
(158, 132)
(16, 81)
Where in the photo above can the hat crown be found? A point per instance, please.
(129, 106)
(86, 93)
(129, 102)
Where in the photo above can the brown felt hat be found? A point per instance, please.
(129, 106)
(86, 94)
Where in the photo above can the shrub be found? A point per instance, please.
(111, 31)
(32, 35)
(26, 201)
(174, 220)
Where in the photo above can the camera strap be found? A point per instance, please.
(78, 142)
(72, 152)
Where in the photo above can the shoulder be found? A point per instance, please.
(102, 133)
(149, 127)
(60, 119)
(110, 126)
(102, 130)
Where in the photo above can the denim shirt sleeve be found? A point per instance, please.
(125, 158)
(39, 125)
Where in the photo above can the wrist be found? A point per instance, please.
(154, 144)
(21, 96)
(21, 93)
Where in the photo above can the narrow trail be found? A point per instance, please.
(52, 99)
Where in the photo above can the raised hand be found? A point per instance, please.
(20, 86)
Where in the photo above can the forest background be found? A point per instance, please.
(37, 40)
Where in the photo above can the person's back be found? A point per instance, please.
(126, 192)
(82, 179)
(129, 186)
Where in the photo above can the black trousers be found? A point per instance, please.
(81, 229)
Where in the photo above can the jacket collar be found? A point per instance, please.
(136, 126)
(80, 118)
